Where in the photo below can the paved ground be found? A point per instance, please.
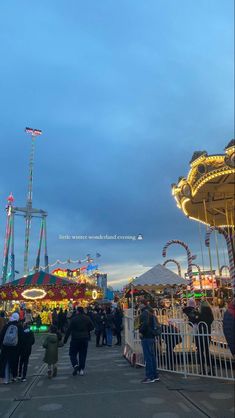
(111, 389)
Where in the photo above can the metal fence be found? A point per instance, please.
(183, 347)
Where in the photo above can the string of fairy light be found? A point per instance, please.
(88, 259)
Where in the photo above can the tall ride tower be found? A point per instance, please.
(28, 212)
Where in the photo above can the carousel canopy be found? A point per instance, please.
(159, 276)
(39, 279)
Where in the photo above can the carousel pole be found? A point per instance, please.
(230, 252)
(189, 258)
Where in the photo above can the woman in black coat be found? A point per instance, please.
(10, 353)
(203, 339)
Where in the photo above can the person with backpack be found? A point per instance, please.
(25, 350)
(11, 339)
(149, 329)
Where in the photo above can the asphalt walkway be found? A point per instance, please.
(111, 389)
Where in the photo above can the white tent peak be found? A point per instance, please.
(158, 275)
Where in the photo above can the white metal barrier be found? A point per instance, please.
(183, 347)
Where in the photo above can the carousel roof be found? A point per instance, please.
(159, 276)
(40, 278)
(207, 194)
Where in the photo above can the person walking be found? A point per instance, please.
(38, 322)
(28, 317)
(117, 319)
(51, 344)
(10, 342)
(229, 326)
(98, 326)
(109, 326)
(25, 350)
(54, 317)
(61, 320)
(203, 338)
(79, 329)
(147, 330)
(2, 320)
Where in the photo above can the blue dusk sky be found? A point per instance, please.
(124, 92)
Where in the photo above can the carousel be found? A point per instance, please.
(42, 292)
(206, 195)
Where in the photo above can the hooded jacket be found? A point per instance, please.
(51, 345)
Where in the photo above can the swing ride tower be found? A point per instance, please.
(28, 212)
(206, 195)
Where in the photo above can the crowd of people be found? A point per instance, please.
(200, 317)
(78, 324)
(17, 339)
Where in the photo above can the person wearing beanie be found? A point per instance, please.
(11, 338)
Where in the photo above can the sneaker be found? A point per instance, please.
(81, 373)
(14, 379)
(23, 379)
(19, 377)
(156, 379)
(75, 370)
(146, 380)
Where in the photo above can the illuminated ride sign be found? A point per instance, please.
(34, 294)
(67, 273)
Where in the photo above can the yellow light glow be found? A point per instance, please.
(184, 201)
(209, 177)
(41, 294)
(94, 294)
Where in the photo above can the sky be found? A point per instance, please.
(124, 93)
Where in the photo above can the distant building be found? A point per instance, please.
(102, 282)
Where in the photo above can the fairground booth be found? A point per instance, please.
(159, 285)
(40, 292)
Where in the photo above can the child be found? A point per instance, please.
(25, 350)
(51, 344)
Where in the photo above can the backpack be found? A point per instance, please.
(11, 336)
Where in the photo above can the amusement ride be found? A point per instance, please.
(206, 195)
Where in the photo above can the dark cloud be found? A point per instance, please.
(124, 94)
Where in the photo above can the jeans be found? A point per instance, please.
(148, 345)
(78, 347)
(109, 335)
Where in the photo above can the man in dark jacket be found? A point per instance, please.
(229, 326)
(146, 329)
(25, 350)
(79, 329)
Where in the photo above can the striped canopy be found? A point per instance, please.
(40, 279)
